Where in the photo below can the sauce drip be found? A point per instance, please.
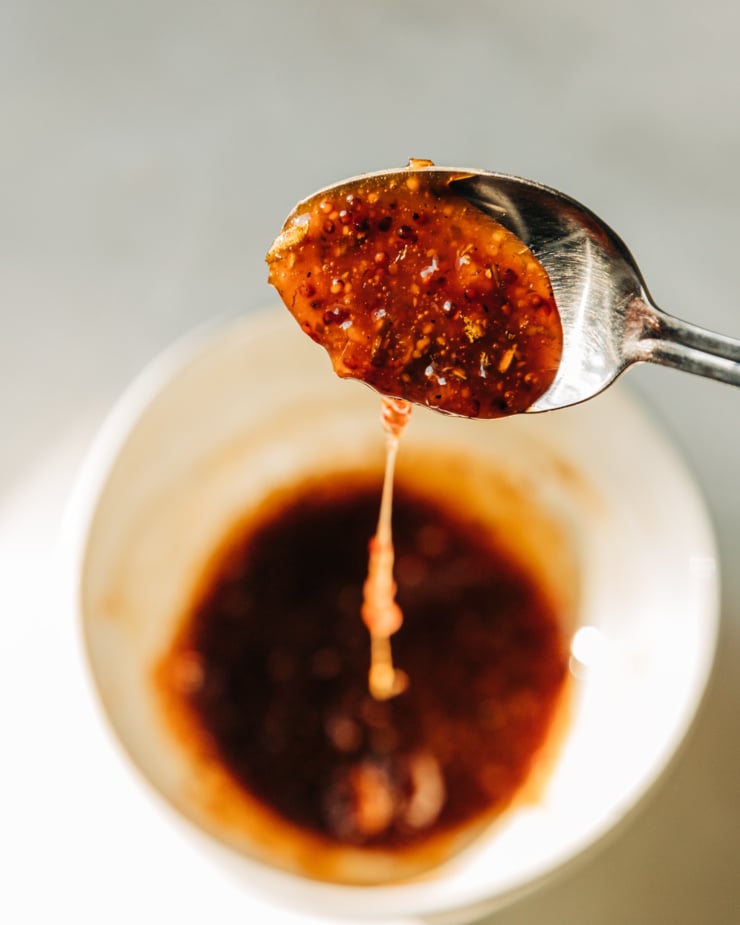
(380, 612)
(271, 672)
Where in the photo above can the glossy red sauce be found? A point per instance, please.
(421, 295)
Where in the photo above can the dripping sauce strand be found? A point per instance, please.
(380, 611)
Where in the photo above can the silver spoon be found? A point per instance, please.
(609, 319)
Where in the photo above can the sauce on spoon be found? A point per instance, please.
(419, 294)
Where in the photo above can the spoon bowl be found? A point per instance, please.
(608, 317)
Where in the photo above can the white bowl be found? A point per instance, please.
(232, 412)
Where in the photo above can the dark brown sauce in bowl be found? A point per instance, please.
(268, 673)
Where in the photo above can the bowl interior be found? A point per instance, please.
(591, 493)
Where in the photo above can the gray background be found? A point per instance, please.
(149, 152)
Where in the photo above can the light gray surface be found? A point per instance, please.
(150, 152)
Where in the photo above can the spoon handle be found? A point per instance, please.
(672, 342)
